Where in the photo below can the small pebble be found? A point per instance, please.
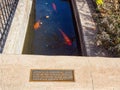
(41, 23)
(47, 16)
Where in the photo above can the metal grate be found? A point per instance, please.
(7, 10)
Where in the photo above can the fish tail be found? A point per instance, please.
(61, 31)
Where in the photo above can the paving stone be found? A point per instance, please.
(98, 73)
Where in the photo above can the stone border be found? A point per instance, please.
(16, 37)
(92, 73)
(79, 27)
(89, 29)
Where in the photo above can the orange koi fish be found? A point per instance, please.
(54, 6)
(66, 38)
(37, 25)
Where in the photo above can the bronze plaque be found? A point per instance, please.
(51, 75)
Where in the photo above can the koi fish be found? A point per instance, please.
(37, 25)
(54, 6)
(66, 38)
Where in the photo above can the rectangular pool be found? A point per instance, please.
(55, 34)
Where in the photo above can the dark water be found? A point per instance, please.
(48, 40)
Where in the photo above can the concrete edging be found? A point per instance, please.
(16, 36)
(91, 73)
(79, 28)
(89, 29)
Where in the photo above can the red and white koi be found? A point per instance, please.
(66, 38)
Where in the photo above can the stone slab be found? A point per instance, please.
(16, 37)
(91, 73)
(89, 28)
